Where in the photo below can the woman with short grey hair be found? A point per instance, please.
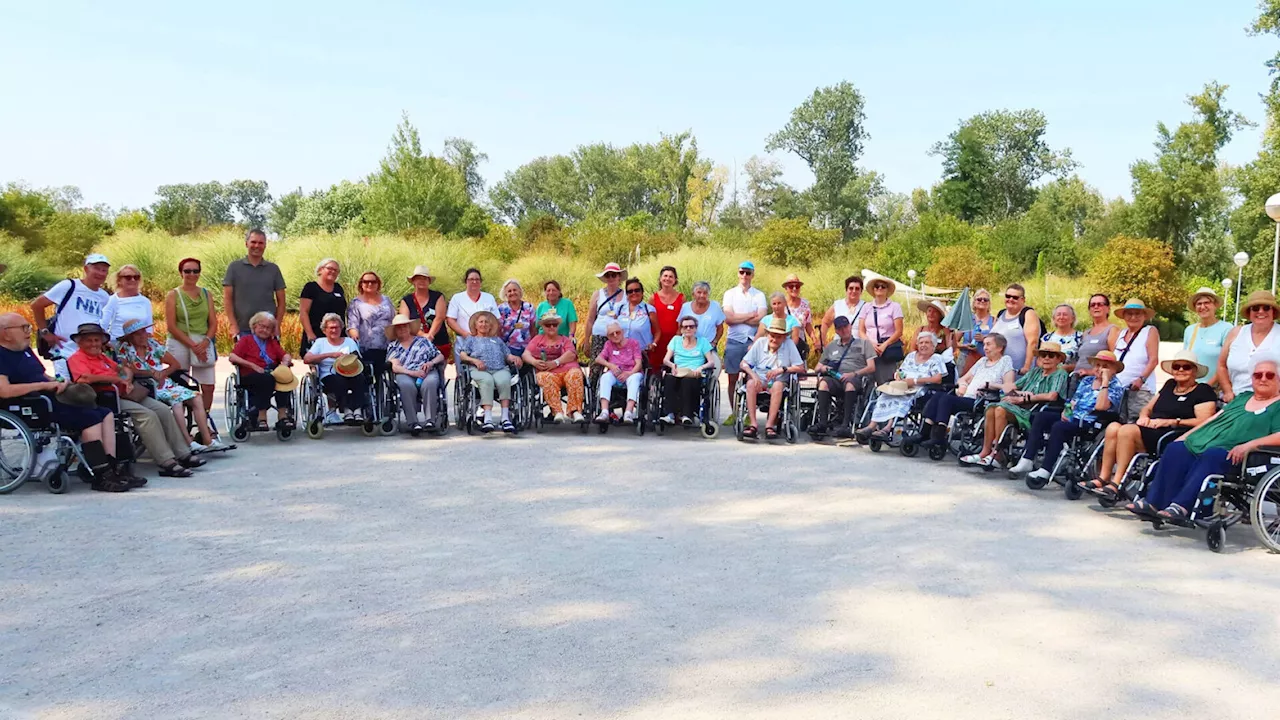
(1064, 333)
(319, 297)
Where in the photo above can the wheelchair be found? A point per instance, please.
(380, 412)
(1011, 445)
(235, 411)
(899, 429)
(184, 380)
(815, 426)
(618, 399)
(708, 416)
(788, 411)
(34, 448)
(540, 412)
(964, 430)
(1080, 460)
(441, 400)
(1138, 475)
(466, 400)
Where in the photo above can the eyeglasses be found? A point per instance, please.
(330, 268)
(1183, 367)
(26, 327)
(128, 277)
(191, 271)
(370, 282)
(634, 291)
(745, 272)
(1098, 304)
(1049, 355)
(981, 300)
(1007, 296)
(791, 286)
(1264, 375)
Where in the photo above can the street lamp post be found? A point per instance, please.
(1240, 259)
(1226, 290)
(911, 278)
(1273, 212)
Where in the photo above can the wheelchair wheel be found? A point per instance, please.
(1264, 510)
(1036, 483)
(368, 429)
(710, 430)
(908, 449)
(231, 409)
(58, 482)
(315, 428)
(1216, 536)
(937, 452)
(1072, 490)
(17, 452)
(875, 445)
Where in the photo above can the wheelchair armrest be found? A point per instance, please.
(109, 399)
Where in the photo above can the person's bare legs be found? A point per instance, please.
(202, 422)
(988, 432)
(753, 389)
(775, 402)
(206, 395)
(1128, 443)
(733, 385)
(1109, 452)
(180, 416)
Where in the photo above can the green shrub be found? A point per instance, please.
(793, 243)
(959, 266)
(1138, 267)
(26, 275)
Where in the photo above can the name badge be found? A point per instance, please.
(1182, 398)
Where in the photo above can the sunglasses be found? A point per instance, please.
(1264, 375)
(1099, 304)
(1007, 296)
(1183, 367)
(791, 286)
(688, 327)
(982, 300)
(128, 277)
(1048, 354)
(370, 282)
(634, 291)
(191, 271)
(745, 272)
(1258, 308)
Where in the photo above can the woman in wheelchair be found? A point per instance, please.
(622, 359)
(152, 418)
(918, 372)
(1182, 404)
(994, 371)
(489, 358)
(687, 357)
(149, 359)
(555, 360)
(256, 356)
(766, 366)
(415, 362)
(21, 373)
(1248, 422)
(337, 360)
(1101, 393)
(1046, 383)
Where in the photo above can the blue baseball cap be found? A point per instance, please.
(747, 265)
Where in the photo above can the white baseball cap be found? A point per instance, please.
(96, 258)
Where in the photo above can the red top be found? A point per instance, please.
(668, 326)
(247, 349)
(81, 363)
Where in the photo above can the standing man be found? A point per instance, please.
(250, 286)
(744, 307)
(75, 303)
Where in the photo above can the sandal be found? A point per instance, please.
(750, 432)
(1174, 513)
(192, 462)
(262, 426)
(1109, 491)
(1094, 484)
(174, 470)
(770, 433)
(1141, 507)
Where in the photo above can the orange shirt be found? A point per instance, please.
(81, 363)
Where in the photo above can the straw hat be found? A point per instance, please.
(78, 395)
(1204, 292)
(96, 329)
(893, 287)
(422, 270)
(398, 320)
(924, 305)
(348, 365)
(1106, 356)
(895, 387)
(1184, 356)
(493, 320)
(550, 317)
(1134, 304)
(776, 326)
(611, 268)
(1051, 347)
(133, 326)
(286, 381)
(1256, 298)
(792, 278)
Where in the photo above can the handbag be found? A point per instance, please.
(212, 356)
(893, 353)
(143, 388)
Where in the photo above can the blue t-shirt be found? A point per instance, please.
(1206, 343)
(21, 366)
(685, 358)
(707, 321)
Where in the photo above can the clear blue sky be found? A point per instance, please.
(120, 97)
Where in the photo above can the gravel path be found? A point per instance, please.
(617, 577)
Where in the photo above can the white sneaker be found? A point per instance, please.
(197, 447)
(629, 416)
(217, 444)
(1024, 466)
(1040, 474)
(668, 419)
(333, 418)
(617, 413)
(561, 417)
(978, 460)
(578, 418)
(603, 417)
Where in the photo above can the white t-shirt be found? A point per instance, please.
(743, 302)
(120, 310)
(322, 345)
(461, 308)
(760, 359)
(85, 306)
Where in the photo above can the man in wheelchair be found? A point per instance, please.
(766, 366)
(21, 373)
(848, 364)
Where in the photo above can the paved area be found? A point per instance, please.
(568, 575)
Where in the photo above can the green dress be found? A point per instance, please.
(1036, 383)
(1234, 426)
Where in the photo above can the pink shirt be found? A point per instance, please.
(554, 350)
(624, 357)
(885, 314)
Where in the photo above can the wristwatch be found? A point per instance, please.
(43, 331)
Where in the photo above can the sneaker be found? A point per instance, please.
(416, 430)
(629, 417)
(429, 426)
(843, 432)
(197, 447)
(487, 427)
(1040, 474)
(578, 418)
(618, 414)
(560, 418)
(668, 419)
(508, 427)
(217, 444)
(686, 421)
(109, 483)
(603, 417)
(1022, 467)
(978, 460)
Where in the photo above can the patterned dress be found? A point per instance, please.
(889, 407)
(151, 360)
(1036, 383)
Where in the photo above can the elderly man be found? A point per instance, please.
(21, 373)
(766, 365)
(849, 362)
(75, 303)
(252, 285)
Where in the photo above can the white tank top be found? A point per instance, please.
(841, 309)
(1240, 358)
(1135, 360)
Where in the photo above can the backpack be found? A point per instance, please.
(42, 345)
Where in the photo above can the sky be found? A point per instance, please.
(119, 98)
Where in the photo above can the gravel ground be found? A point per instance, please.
(574, 575)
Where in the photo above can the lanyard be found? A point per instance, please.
(262, 349)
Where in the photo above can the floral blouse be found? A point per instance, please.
(152, 360)
(914, 369)
(515, 326)
(1084, 403)
(802, 312)
(370, 321)
(420, 352)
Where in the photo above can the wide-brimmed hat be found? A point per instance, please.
(611, 268)
(348, 365)
(1204, 292)
(895, 387)
(1256, 298)
(924, 305)
(893, 286)
(1135, 304)
(1107, 356)
(286, 381)
(550, 317)
(78, 395)
(776, 326)
(1184, 356)
(133, 326)
(471, 323)
(422, 270)
(89, 329)
(1051, 347)
(791, 279)
(398, 320)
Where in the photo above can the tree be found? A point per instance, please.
(249, 202)
(70, 236)
(959, 266)
(1251, 229)
(282, 213)
(788, 243)
(706, 193)
(1138, 267)
(138, 219)
(412, 191)
(185, 208)
(341, 207)
(464, 156)
(992, 162)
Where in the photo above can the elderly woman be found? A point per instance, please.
(554, 300)
(1259, 336)
(192, 320)
(416, 363)
(1183, 403)
(368, 317)
(1250, 421)
(778, 309)
(638, 319)
(766, 365)
(622, 358)
(148, 359)
(555, 360)
(1065, 335)
(606, 305)
(968, 344)
(707, 312)
(1205, 338)
(152, 418)
(429, 308)
(489, 357)
(919, 371)
(1095, 395)
(687, 356)
(1020, 326)
(667, 303)
(256, 355)
(128, 302)
(1101, 335)
(799, 308)
(994, 371)
(321, 297)
(1138, 348)
(850, 306)
(882, 325)
(469, 302)
(515, 317)
(1044, 384)
(350, 391)
(934, 311)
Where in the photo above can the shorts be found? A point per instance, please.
(1138, 399)
(183, 354)
(734, 351)
(74, 418)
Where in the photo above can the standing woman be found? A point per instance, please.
(1235, 365)
(638, 319)
(128, 302)
(969, 343)
(882, 325)
(934, 311)
(320, 297)
(515, 317)
(778, 309)
(555, 300)
(605, 306)
(368, 317)
(1102, 336)
(799, 309)
(193, 323)
(1205, 338)
(850, 306)
(667, 304)
(429, 308)
(707, 312)
(1020, 326)
(1139, 351)
(469, 302)
(1065, 334)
